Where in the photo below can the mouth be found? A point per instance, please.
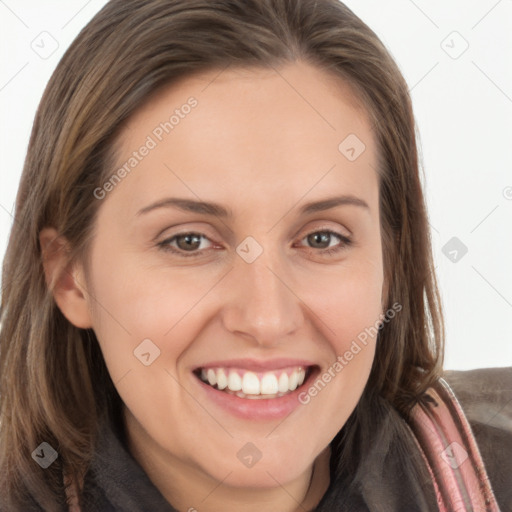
(256, 390)
(255, 385)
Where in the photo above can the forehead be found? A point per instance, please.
(283, 129)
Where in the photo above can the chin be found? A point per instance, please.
(263, 473)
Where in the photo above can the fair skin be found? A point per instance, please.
(262, 144)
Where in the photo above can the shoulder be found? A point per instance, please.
(486, 398)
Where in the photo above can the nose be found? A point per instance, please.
(261, 304)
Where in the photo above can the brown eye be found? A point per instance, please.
(186, 244)
(188, 241)
(320, 239)
(326, 242)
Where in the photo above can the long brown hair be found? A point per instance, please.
(54, 384)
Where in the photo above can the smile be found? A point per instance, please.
(254, 385)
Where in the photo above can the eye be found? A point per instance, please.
(190, 244)
(183, 243)
(327, 241)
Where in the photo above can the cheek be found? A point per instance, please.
(347, 301)
(131, 304)
(348, 305)
(349, 312)
(135, 303)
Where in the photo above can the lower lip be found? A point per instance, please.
(255, 408)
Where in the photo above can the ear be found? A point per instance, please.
(64, 280)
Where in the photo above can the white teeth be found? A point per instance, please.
(283, 383)
(269, 384)
(293, 380)
(251, 384)
(212, 377)
(222, 380)
(248, 384)
(234, 381)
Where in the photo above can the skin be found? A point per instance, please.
(262, 143)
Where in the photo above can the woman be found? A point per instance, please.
(226, 298)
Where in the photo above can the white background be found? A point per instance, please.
(463, 107)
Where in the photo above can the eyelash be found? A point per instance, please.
(330, 251)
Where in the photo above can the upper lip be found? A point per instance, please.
(257, 365)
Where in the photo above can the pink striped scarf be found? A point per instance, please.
(451, 453)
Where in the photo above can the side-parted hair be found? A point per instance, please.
(54, 385)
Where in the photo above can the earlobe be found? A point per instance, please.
(64, 279)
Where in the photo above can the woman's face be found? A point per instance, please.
(241, 244)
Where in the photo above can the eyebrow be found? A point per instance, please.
(214, 209)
